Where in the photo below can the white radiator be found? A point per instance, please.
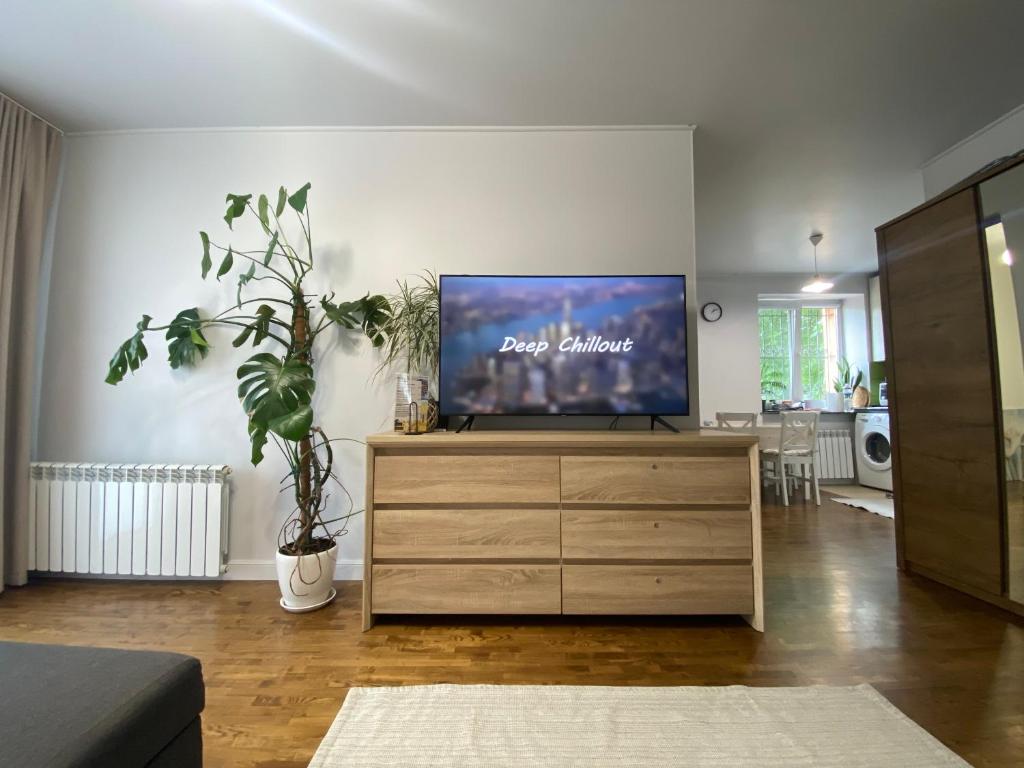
(834, 455)
(128, 520)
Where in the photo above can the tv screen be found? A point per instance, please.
(593, 345)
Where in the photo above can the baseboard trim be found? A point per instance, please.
(266, 570)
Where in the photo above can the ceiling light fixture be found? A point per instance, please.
(1007, 258)
(817, 284)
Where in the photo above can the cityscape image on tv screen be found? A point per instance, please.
(563, 345)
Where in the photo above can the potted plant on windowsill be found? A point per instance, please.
(276, 388)
(845, 385)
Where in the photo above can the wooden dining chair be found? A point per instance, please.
(735, 421)
(795, 452)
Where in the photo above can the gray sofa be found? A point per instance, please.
(67, 706)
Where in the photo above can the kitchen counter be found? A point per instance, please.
(825, 417)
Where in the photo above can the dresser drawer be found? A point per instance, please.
(465, 533)
(657, 589)
(656, 479)
(466, 589)
(426, 479)
(652, 534)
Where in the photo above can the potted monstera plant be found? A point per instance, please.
(275, 385)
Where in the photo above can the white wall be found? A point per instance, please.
(730, 369)
(1002, 137)
(385, 204)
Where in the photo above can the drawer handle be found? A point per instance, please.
(654, 466)
(657, 579)
(657, 525)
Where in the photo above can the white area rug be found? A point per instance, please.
(883, 507)
(444, 726)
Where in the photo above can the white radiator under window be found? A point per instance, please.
(128, 519)
(834, 455)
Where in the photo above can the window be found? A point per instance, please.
(776, 353)
(800, 350)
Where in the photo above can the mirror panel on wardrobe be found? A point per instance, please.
(1002, 212)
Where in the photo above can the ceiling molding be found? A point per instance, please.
(393, 129)
(34, 114)
(973, 136)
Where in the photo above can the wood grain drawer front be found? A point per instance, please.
(465, 533)
(656, 479)
(466, 589)
(433, 479)
(651, 534)
(657, 589)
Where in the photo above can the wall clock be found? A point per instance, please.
(712, 311)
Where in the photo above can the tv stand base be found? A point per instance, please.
(665, 424)
(467, 424)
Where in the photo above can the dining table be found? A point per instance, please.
(767, 434)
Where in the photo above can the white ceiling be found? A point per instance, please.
(810, 113)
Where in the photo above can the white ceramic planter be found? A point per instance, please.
(834, 401)
(306, 581)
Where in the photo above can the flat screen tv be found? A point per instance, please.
(583, 345)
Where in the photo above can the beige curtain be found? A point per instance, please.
(29, 158)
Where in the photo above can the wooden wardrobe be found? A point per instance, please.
(949, 441)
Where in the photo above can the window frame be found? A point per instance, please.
(793, 307)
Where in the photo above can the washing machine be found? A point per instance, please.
(873, 450)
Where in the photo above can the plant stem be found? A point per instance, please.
(300, 329)
(281, 278)
(228, 321)
(286, 246)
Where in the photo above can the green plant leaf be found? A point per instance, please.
(198, 339)
(849, 375)
(276, 394)
(371, 313)
(376, 312)
(258, 438)
(236, 207)
(270, 250)
(294, 425)
(243, 280)
(261, 327)
(207, 262)
(226, 264)
(343, 314)
(282, 198)
(298, 200)
(130, 355)
(186, 340)
(263, 208)
(411, 330)
(262, 323)
(243, 337)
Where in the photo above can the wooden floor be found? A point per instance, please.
(837, 614)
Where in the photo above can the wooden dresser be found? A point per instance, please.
(563, 522)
